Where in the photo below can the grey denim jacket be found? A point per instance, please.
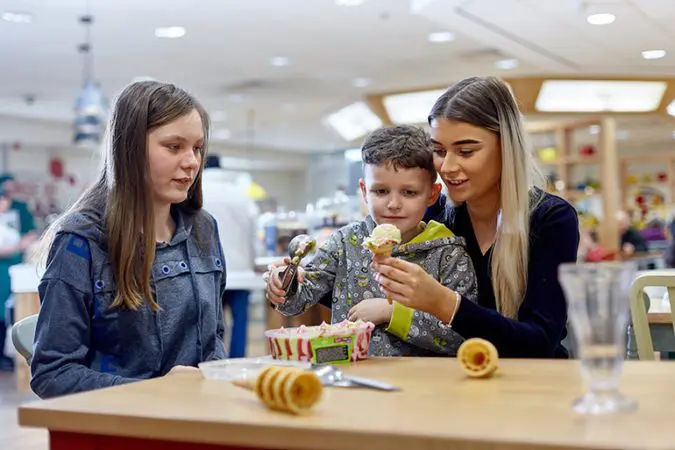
(81, 343)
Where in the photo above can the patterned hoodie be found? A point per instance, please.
(341, 268)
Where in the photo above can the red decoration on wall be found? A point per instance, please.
(56, 167)
(662, 176)
(587, 150)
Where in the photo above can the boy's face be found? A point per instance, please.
(398, 196)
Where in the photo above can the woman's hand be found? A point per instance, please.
(273, 292)
(409, 285)
(376, 310)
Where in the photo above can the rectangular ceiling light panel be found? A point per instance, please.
(354, 121)
(413, 107)
(600, 96)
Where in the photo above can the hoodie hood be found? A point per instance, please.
(432, 236)
(88, 224)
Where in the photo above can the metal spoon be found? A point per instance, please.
(332, 376)
(301, 246)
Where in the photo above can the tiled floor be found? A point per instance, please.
(12, 437)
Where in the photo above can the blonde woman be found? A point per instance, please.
(516, 234)
(135, 271)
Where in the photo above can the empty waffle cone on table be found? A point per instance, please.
(478, 358)
(286, 389)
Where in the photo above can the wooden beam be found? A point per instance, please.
(376, 104)
(609, 171)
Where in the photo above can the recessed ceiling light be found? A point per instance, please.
(417, 6)
(653, 54)
(17, 17)
(507, 64)
(280, 61)
(441, 36)
(142, 78)
(349, 2)
(218, 116)
(601, 19)
(361, 82)
(594, 129)
(170, 32)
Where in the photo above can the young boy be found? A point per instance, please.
(399, 183)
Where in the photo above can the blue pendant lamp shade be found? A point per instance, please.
(91, 106)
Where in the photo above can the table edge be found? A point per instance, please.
(274, 435)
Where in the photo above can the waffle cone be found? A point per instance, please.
(382, 250)
(286, 389)
(478, 358)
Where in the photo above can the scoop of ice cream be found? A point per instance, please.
(383, 234)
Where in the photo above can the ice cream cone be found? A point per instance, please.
(287, 389)
(381, 242)
(382, 250)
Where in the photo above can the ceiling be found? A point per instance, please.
(224, 57)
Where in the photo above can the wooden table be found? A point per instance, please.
(527, 405)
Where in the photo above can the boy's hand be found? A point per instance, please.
(273, 291)
(376, 310)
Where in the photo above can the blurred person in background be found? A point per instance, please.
(17, 233)
(654, 231)
(670, 251)
(590, 250)
(631, 240)
(226, 198)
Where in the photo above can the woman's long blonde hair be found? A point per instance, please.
(121, 196)
(488, 103)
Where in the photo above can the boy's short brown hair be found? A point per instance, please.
(402, 146)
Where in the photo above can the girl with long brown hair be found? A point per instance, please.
(134, 270)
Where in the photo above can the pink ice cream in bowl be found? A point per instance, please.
(341, 342)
